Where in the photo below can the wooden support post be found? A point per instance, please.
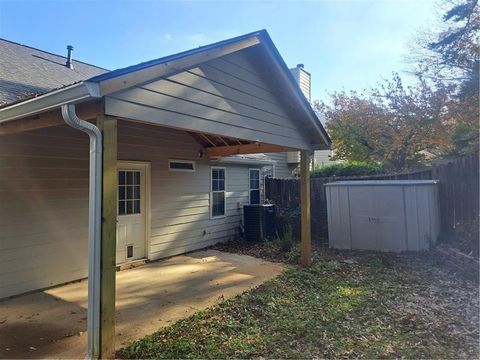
(306, 247)
(108, 126)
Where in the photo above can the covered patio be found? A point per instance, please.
(53, 323)
(231, 98)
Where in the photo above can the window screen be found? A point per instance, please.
(129, 192)
(254, 186)
(218, 192)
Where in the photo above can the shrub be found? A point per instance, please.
(286, 240)
(288, 222)
(348, 169)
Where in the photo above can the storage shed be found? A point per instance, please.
(389, 215)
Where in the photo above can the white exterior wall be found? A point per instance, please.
(282, 168)
(323, 157)
(44, 201)
(180, 211)
(43, 209)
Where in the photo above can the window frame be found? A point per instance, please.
(141, 194)
(218, 191)
(170, 161)
(259, 186)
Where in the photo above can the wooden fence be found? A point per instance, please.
(458, 193)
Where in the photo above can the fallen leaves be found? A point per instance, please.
(347, 305)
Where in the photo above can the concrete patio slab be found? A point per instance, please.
(52, 323)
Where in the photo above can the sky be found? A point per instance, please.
(345, 45)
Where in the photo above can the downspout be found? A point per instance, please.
(94, 225)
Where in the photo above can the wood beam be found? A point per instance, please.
(252, 148)
(108, 126)
(306, 247)
(46, 119)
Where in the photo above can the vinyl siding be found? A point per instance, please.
(180, 201)
(44, 201)
(323, 157)
(303, 79)
(282, 168)
(43, 209)
(225, 96)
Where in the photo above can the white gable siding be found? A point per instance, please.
(44, 201)
(225, 96)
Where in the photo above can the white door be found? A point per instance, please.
(132, 209)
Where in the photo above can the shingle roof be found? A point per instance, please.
(27, 72)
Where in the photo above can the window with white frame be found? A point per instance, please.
(217, 197)
(254, 177)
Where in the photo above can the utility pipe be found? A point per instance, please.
(94, 226)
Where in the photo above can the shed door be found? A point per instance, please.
(131, 221)
(377, 218)
(362, 212)
(390, 218)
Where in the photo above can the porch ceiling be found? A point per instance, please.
(216, 145)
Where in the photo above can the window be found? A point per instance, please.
(254, 177)
(129, 192)
(217, 198)
(181, 165)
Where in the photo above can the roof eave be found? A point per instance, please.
(52, 100)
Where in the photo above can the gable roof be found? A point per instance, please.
(27, 72)
(104, 83)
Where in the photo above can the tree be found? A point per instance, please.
(439, 116)
(451, 56)
(392, 125)
(451, 53)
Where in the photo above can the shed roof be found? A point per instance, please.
(382, 182)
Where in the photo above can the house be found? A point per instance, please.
(169, 166)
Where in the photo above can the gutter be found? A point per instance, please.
(94, 226)
(51, 100)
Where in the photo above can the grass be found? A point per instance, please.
(351, 307)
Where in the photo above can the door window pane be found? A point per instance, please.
(129, 192)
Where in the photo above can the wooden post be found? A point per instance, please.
(108, 126)
(306, 247)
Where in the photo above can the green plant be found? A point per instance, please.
(285, 240)
(288, 221)
(354, 168)
(293, 254)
